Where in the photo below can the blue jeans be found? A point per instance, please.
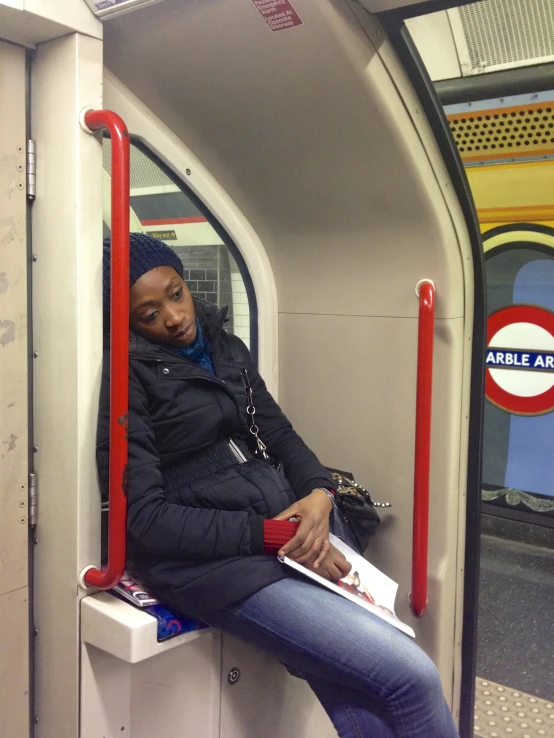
(372, 680)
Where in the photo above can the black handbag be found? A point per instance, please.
(352, 501)
(356, 508)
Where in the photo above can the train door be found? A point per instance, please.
(15, 519)
(499, 102)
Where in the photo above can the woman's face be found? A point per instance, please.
(161, 308)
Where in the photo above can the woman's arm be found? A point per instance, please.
(155, 525)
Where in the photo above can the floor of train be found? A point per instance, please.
(515, 653)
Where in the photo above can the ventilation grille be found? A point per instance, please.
(508, 32)
(144, 172)
(504, 133)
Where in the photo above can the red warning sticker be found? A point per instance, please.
(278, 14)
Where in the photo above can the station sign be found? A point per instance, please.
(520, 360)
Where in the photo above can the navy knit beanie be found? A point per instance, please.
(146, 253)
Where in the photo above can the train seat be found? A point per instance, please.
(131, 633)
(126, 669)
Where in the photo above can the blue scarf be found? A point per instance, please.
(199, 351)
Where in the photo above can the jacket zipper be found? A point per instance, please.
(241, 458)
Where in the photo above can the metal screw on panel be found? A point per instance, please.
(22, 503)
(19, 149)
(20, 167)
(234, 676)
(35, 354)
(187, 171)
(35, 257)
(165, 370)
(35, 449)
(20, 185)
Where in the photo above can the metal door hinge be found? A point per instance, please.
(31, 170)
(33, 501)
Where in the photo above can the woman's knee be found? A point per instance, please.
(420, 676)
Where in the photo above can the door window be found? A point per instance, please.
(162, 206)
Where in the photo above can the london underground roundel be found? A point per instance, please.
(520, 359)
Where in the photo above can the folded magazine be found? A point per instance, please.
(168, 624)
(365, 585)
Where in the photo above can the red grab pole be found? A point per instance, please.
(119, 351)
(426, 331)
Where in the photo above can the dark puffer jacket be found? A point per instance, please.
(195, 529)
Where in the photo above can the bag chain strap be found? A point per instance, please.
(349, 486)
(261, 448)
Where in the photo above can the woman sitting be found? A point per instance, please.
(206, 519)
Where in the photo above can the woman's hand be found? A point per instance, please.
(310, 545)
(334, 566)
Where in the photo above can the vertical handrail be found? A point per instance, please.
(426, 331)
(96, 120)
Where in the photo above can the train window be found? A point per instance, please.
(164, 207)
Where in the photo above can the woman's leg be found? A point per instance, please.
(345, 651)
(349, 712)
